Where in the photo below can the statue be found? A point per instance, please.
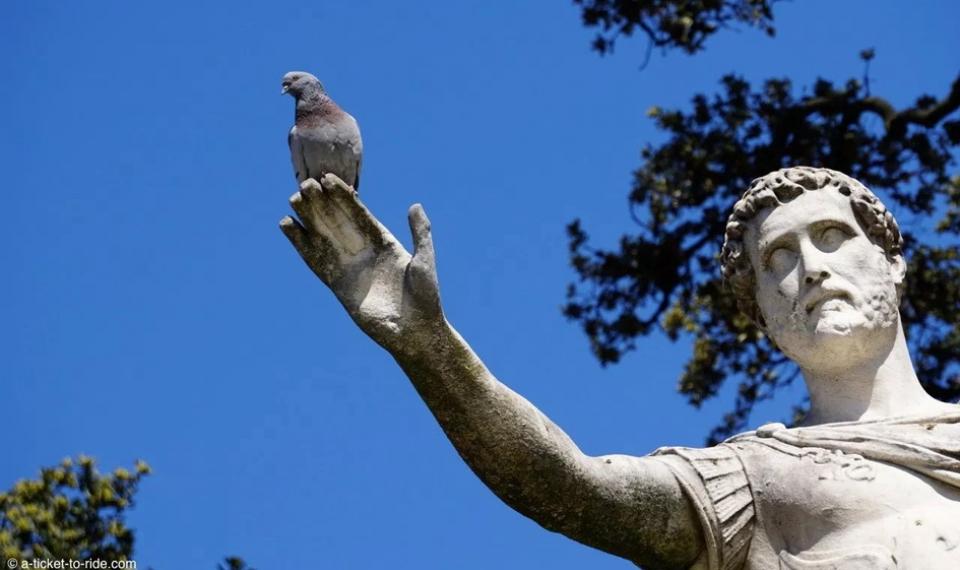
(870, 480)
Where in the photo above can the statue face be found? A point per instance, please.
(827, 293)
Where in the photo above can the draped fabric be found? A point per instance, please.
(718, 485)
(916, 443)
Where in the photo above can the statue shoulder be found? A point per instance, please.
(715, 481)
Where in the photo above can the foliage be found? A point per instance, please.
(71, 512)
(234, 563)
(665, 275)
(683, 24)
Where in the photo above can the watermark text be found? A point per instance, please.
(70, 564)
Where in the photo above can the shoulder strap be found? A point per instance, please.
(716, 483)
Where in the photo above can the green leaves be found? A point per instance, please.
(72, 512)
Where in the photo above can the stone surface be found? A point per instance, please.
(324, 138)
(871, 480)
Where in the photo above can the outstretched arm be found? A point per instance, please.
(628, 506)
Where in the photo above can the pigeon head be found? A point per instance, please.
(297, 83)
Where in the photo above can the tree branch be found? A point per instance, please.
(932, 115)
(894, 122)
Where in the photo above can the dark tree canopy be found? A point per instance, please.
(234, 563)
(683, 24)
(665, 274)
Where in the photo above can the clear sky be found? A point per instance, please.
(151, 308)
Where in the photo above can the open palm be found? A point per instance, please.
(389, 293)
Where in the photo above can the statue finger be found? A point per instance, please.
(329, 181)
(320, 215)
(422, 236)
(348, 202)
(422, 270)
(314, 248)
(295, 232)
(305, 204)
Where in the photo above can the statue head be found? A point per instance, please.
(811, 253)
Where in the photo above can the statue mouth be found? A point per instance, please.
(824, 297)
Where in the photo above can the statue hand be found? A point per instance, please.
(391, 295)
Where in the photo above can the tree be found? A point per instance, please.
(683, 24)
(234, 563)
(73, 512)
(664, 275)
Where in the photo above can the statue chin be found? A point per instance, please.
(837, 336)
(840, 332)
(839, 318)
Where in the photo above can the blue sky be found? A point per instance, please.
(152, 309)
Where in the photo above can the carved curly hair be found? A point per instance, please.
(780, 187)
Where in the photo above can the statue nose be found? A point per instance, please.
(814, 264)
(812, 278)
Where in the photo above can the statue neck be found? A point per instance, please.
(885, 386)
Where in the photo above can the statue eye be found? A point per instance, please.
(781, 260)
(832, 238)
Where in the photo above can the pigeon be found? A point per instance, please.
(324, 138)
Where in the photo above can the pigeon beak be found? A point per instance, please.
(285, 89)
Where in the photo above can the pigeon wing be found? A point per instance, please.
(355, 145)
(296, 155)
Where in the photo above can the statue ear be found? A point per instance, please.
(760, 320)
(898, 269)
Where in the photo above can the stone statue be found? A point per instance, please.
(871, 480)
